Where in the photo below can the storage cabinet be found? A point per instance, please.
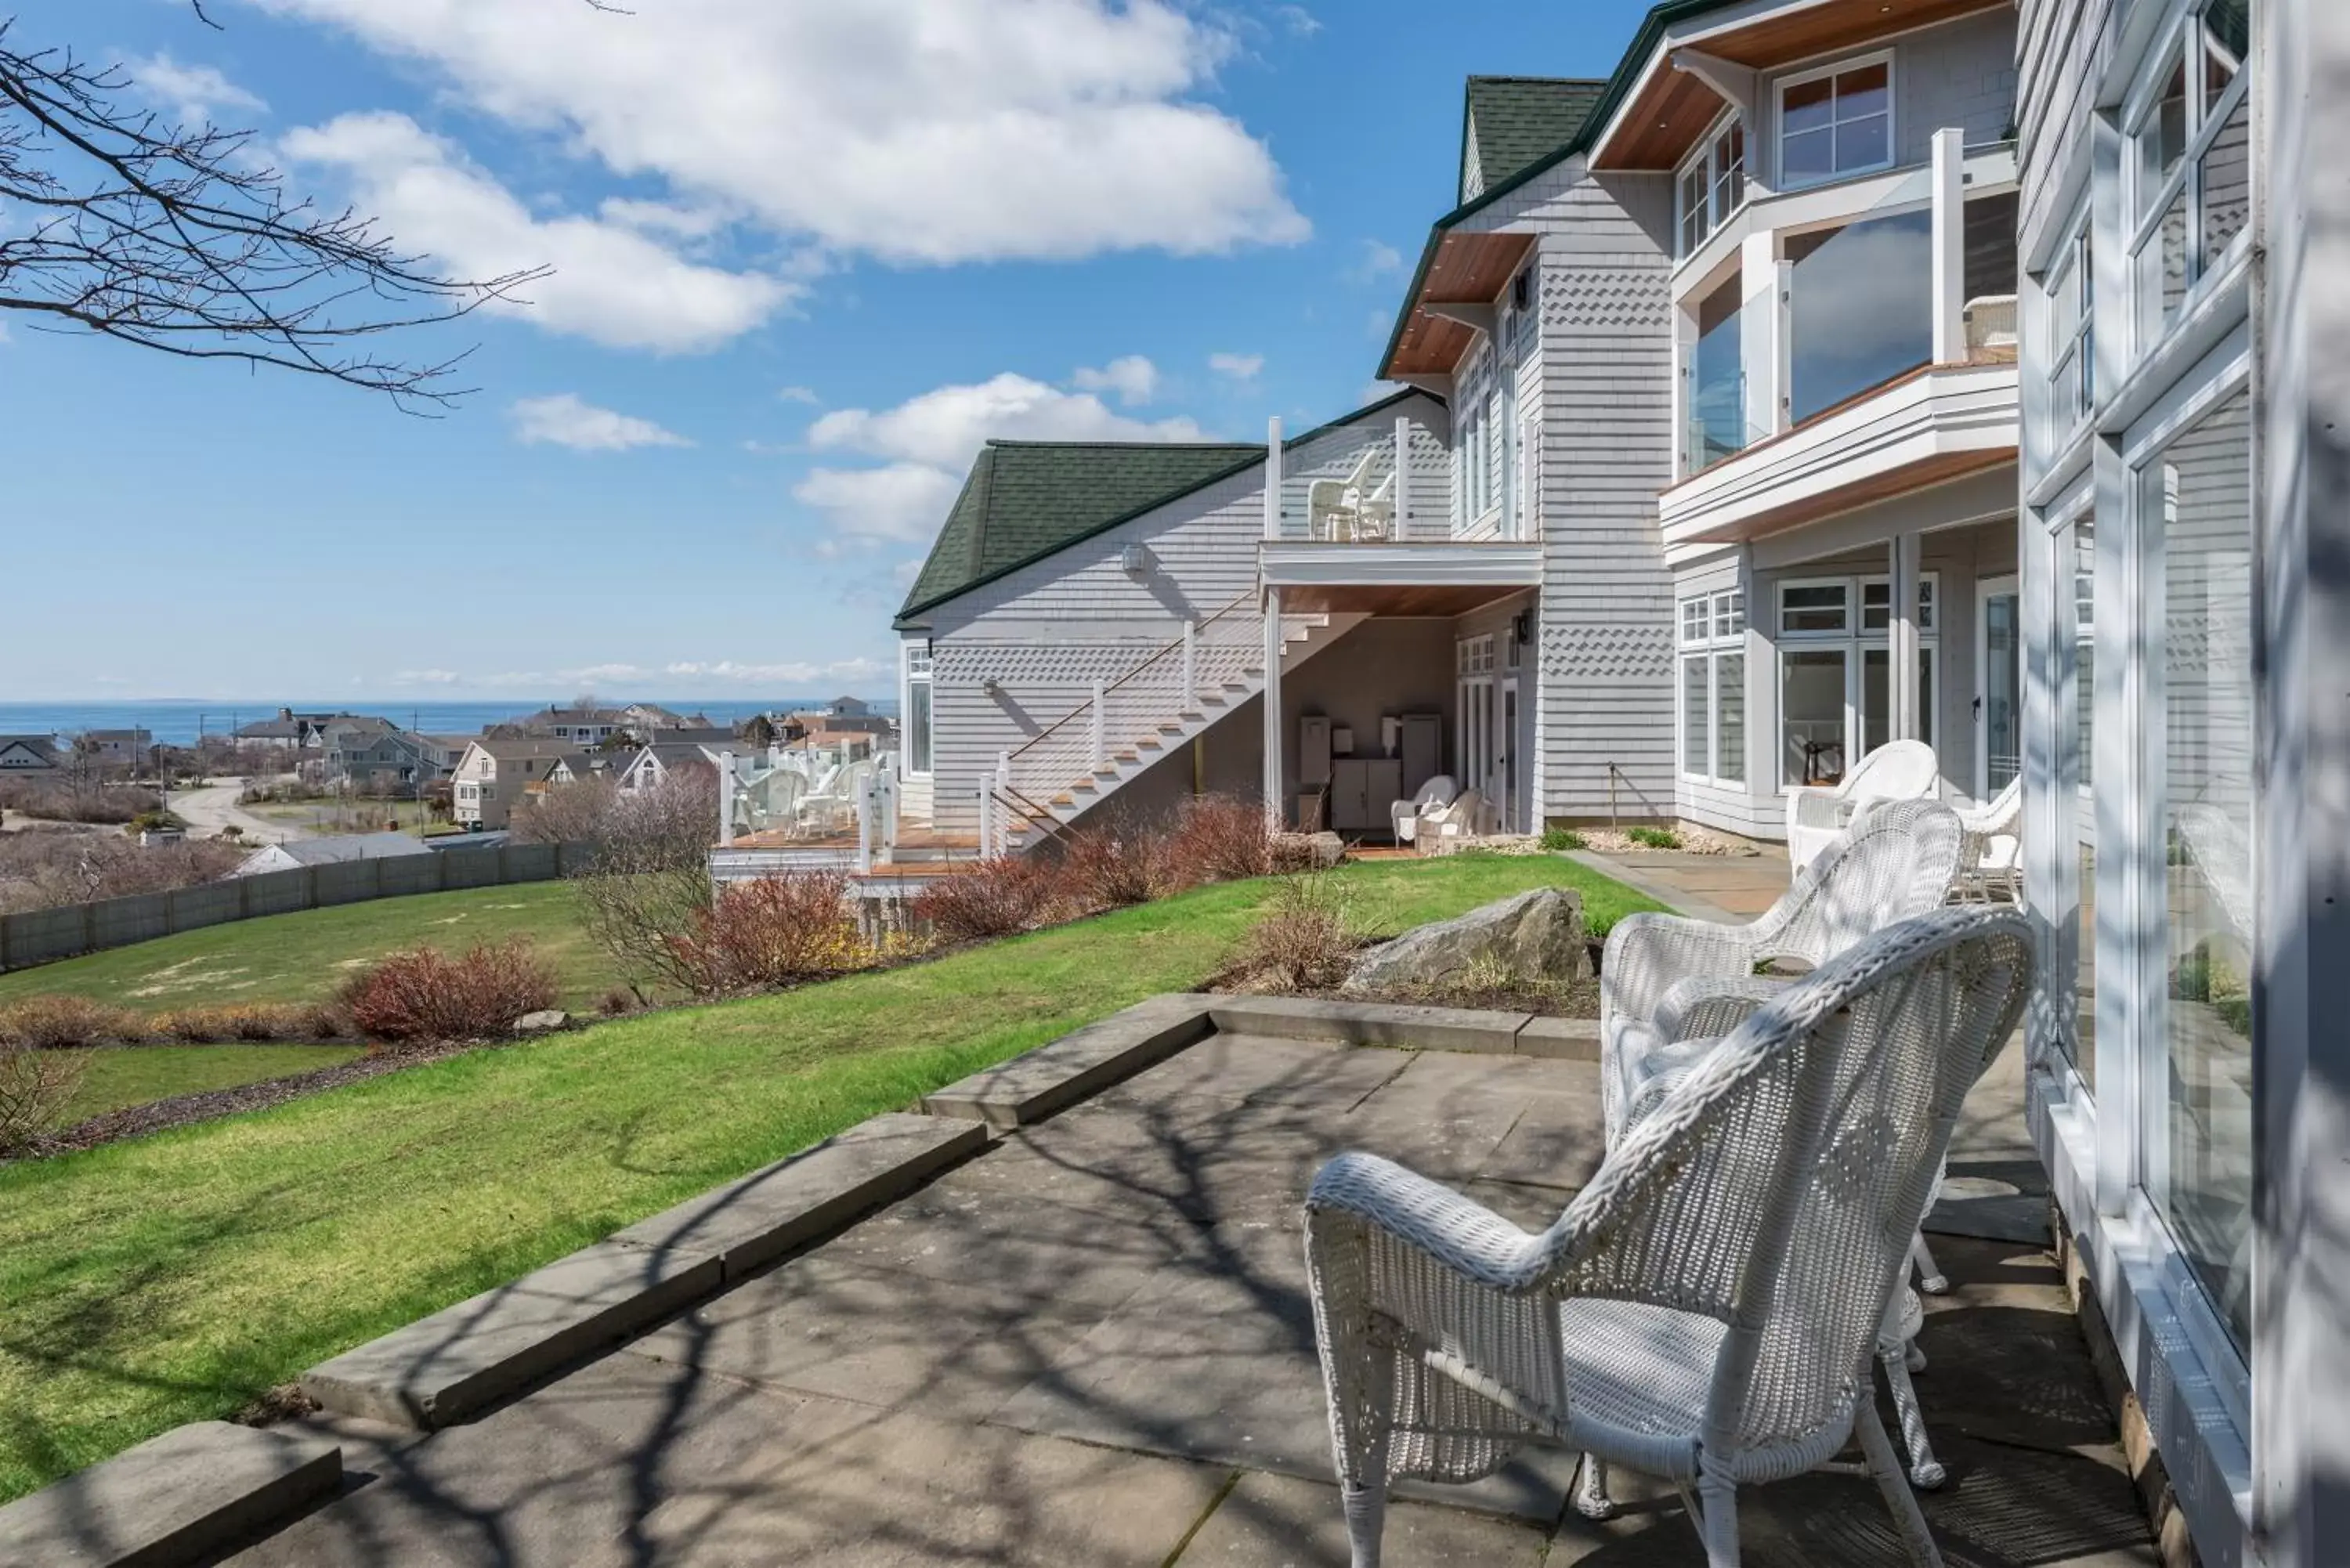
(1361, 790)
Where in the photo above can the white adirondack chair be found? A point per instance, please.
(1899, 770)
(1705, 1309)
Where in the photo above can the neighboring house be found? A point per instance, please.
(288, 731)
(364, 753)
(498, 772)
(27, 753)
(653, 763)
(298, 853)
(124, 748)
(592, 726)
(443, 752)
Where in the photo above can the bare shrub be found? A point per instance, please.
(62, 1022)
(1306, 939)
(1111, 868)
(673, 820)
(646, 883)
(247, 1021)
(1220, 838)
(425, 994)
(995, 898)
(79, 798)
(776, 930)
(578, 813)
(46, 870)
(36, 1086)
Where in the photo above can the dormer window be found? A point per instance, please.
(1712, 184)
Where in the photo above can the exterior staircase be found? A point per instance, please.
(1130, 724)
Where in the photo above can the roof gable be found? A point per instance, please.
(1511, 122)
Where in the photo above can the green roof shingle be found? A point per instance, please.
(1510, 122)
(1025, 499)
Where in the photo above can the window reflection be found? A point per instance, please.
(1860, 308)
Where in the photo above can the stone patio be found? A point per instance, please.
(1089, 1344)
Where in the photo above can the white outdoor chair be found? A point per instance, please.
(1704, 1311)
(1405, 813)
(1990, 861)
(1899, 770)
(1446, 826)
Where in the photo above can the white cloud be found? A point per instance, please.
(1299, 20)
(1239, 367)
(930, 440)
(562, 420)
(915, 131)
(799, 395)
(1378, 260)
(903, 503)
(611, 283)
(196, 94)
(425, 678)
(1134, 379)
(946, 426)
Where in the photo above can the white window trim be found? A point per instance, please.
(1779, 120)
(2073, 268)
(907, 652)
(1708, 647)
(1856, 641)
(1703, 157)
(2179, 43)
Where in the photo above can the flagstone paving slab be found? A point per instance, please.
(1284, 1521)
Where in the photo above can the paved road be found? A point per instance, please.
(208, 810)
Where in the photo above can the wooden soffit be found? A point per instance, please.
(1668, 110)
(1468, 269)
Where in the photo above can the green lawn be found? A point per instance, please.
(304, 957)
(124, 1076)
(172, 1278)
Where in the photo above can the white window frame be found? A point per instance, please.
(2182, 43)
(2074, 268)
(1800, 78)
(1714, 170)
(1856, 641)
(917, 664)
(1711, 626)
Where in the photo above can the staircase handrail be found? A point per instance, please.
(1175, 648)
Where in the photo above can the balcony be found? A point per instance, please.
(1846, 344)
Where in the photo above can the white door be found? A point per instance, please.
(1999, 685)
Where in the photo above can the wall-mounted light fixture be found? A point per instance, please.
(1135, 559)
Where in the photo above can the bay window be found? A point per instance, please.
(1712, 185)
(1713, 688)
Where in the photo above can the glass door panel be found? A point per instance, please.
(1813, 711)
(1999, 685)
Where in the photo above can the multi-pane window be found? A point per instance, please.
(2189, 167)
(1712, 184)
(1713, 687)
(1836, 122)
(2072, 338)
(1835, 671)
(916, 701)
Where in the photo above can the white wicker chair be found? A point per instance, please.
(1704, 1310)
(1433, 795)
(1899, 770)
(1991, 864)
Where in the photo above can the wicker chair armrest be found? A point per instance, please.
(1462, 1236)
(1814, 807)
(1706, 1007)
(1648, 954)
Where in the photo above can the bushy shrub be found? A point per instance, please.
(248, 1020)
(776, 930)
(1654, 837)
(36, 1086)
(1106, 868)
(994, 898)
(425, 994)
(63, 1022)
(1220, 838)
(1558, 840)
(1306, 939)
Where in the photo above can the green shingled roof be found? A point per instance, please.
(1026, 499)
(1511, 121)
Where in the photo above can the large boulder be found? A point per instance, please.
(1534, 936)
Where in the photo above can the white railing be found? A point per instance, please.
(1159, 688)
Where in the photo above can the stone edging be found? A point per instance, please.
(177, 1498)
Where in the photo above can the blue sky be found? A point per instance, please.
(807, 254)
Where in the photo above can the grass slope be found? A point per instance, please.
(160, 1281)
(303, 957)
(134, 1075)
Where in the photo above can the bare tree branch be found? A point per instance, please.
(183, 240)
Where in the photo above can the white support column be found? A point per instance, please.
(1272, 776)
(1273, 477)
(1100, 734)
(1949, 181)
(1902, 639)
(1003, 801)
(987, 824)
(1190, 667)
(865, 826)
(1762, 348)
(1403, 477)
(726, 800)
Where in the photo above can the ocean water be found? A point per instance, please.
(179, 722)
